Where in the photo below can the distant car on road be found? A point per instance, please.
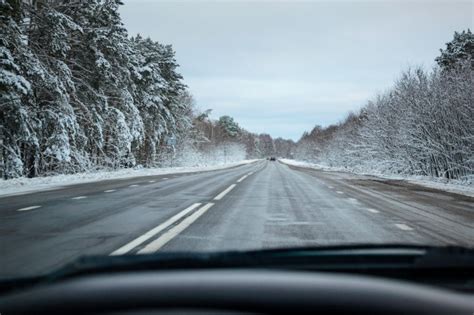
(272, 158)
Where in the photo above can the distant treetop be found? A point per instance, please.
(459, 50)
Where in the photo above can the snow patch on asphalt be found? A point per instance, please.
(454, 186)
(18, 186)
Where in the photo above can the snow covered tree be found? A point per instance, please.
(229, 127)
(422, 126)
(61, 140)
(77, 93)
(18, 141)
(460, 49)
(266, 147)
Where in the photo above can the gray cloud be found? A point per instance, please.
(284, 66)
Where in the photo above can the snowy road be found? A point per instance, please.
(259, 205)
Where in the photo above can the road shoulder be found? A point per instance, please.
(21, 186)
(414, 182)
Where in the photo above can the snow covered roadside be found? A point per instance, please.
(453, 186)
(23, 185)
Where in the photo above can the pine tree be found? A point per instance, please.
(458, 51)
(229, 126)
(18, 140)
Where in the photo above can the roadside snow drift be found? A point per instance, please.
(28, 185)
(454, 186)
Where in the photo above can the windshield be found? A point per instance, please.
(141, 127)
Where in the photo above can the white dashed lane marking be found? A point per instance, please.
(339, 192)
(152, 181)
(79, 197)
(29, 208)
(373, 210)
(242, 178)
(143, 238)
(225, 192)
(174, 231)
(403, 226)
(110, 190)
(134, 185)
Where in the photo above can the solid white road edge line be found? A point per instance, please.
(225, 192)
(173, 232)
(242, 178)
(404, 227)
(79, 197)
(143, 238)
(28, 208)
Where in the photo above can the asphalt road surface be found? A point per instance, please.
(259, 205)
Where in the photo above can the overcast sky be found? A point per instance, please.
(281, 67)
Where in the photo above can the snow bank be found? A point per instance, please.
(23, 185)
(454, 186)
(227, 153)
